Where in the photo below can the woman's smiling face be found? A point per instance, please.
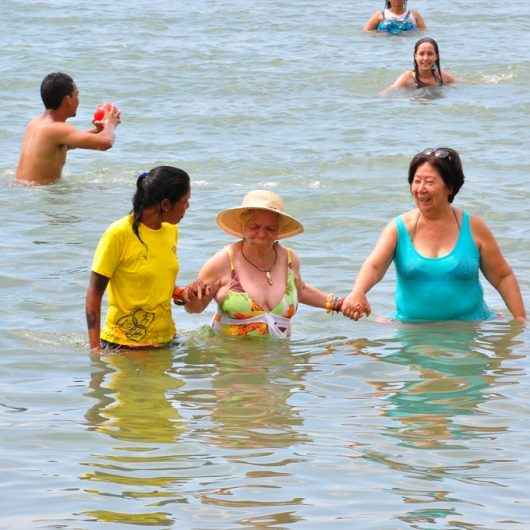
(428, 189)
(425, 56)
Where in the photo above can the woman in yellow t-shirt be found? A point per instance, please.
(136, 259)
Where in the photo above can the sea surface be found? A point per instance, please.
(371, 425)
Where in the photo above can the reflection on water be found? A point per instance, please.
(174, 408)
(246, 401)
(453, 370)
(132, 389)
(222, 430)
(249, 394)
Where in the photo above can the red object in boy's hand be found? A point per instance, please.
(99, 114)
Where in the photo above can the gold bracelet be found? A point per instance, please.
(337, 306)
(328, 306)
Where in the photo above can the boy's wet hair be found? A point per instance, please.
(54, 88)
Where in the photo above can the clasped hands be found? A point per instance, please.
(195, 291)
(355, 306)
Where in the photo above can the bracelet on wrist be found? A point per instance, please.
(328, 304)
(333, 304)
(337, 307)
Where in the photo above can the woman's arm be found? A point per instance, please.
(374, 21)
(448, 78)
(497, 270)
(94, 294)
(210, 279)
(372, 271)
(405, 80)
(420, 22)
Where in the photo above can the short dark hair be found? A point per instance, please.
(54, 88)
(446, 161)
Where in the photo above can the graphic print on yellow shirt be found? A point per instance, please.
(142, 278)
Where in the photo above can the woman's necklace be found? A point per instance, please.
(266, 271)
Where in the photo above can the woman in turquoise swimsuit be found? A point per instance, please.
(256, 281)
(437, 250)
(395, 18)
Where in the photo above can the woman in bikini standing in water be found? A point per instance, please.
(258, 281)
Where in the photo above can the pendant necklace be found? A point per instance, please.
(266, 271)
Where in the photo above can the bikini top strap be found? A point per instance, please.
(230, 254)
(289, 257)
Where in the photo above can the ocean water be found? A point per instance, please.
(368, 425)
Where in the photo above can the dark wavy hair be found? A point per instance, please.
(436, 69)
(162, 182)
(54, 88)
(448, 164)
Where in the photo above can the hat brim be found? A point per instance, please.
(229, 221)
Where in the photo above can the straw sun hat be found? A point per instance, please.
(230, 220)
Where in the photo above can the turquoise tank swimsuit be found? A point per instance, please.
(395, 24)
(445, 288)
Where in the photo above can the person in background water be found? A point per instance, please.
(395, 18)
(48, 137)
(438, 251)
(137, 259)
(258, 281)
(427, 71)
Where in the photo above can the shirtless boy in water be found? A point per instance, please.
(48, 136)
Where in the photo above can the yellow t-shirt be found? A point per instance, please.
(142, 278)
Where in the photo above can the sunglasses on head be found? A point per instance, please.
(438, 153)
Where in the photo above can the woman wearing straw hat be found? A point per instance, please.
(257, 280)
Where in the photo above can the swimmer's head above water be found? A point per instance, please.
(427, 47)
(54, 88)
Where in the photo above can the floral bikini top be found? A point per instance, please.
(239, 315)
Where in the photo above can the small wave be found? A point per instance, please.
(496, 79)
(315, 185)
(200, 183)
(11, 408)
(73, 340)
